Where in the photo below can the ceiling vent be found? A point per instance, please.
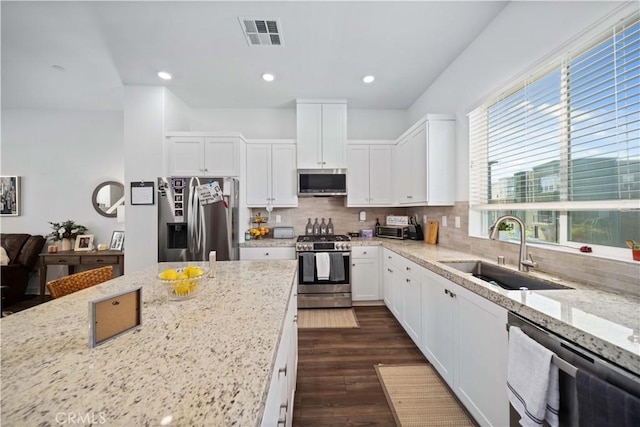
(261, 32)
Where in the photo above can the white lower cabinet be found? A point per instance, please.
(481, 368)
(392, 289)
(278, 411)
(438, 310)
(463, 335)
(267, 253)
(365, 275)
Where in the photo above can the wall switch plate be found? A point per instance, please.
(457, 222)
(444, 220)
(278, 219)
(363, 216)
(424, 219)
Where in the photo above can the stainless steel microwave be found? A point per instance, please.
(322, 182)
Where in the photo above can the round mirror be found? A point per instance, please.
(107, 197)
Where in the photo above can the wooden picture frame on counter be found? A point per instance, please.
(84, 242)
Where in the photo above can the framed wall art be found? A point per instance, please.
(9, 195)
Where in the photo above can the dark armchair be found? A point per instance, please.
(23, 251)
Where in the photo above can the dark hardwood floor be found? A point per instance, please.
(337, 383)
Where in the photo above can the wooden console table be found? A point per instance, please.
(72, 258)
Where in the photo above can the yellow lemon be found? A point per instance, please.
(182, 289)
(182, 276)
(195, 272)
(169, 274)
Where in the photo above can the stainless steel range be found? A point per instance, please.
(324, 271)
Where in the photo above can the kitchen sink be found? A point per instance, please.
(505, 278)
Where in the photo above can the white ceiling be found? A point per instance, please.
(328, 48)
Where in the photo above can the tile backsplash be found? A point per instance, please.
(620, 276)
(344, 219)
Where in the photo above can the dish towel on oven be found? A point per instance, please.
(532, 380)
(336, 263)
(323, 266)
(602, 404)
(308, 267)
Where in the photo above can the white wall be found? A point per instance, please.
(61, 156)
(520, 36)
(280, 123)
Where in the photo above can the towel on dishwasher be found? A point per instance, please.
(602, 404)
(323, 266)
(532, 380)
(336, 263)
(308, 267)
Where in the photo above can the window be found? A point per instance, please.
(562, 149)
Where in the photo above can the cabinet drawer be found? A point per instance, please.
(267, 253)
(100, 260)
(391, 257)
(68, 260)
(359, 252)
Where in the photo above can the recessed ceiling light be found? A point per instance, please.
(164, 75)
(268, 77)
(368, 79)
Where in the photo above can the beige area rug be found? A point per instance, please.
(418, 397)
(316, 318)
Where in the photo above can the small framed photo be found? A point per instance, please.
(9, 195)
(117, 241)
(84, 242)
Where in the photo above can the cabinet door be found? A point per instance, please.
(309, 135)
(334, 135)
(357, 175)
(258, 174)
(284, 189)
(186, 156)
(412, 306)
(390, 275)
(364, 279)
(438, 325)
(481, 368)
(441, 162)
(403, 172)
(380, 175)
(418, 161)
(221, 156)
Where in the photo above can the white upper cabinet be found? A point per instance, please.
(369, 176)
(321, 134)
(203, 156)
(271, 175)
(424, 165)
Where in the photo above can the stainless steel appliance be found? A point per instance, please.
(393, 231)
(569, 357)
(317, 293)
(322, 182)
(189, 228)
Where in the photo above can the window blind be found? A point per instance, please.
(566, 138)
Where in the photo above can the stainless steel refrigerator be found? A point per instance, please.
(190, 226)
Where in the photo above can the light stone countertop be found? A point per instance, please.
(201, 362)
(604, 322)
(268, 242)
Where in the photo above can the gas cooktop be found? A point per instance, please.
(324, 238)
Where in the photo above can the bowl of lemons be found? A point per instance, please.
(182, 283)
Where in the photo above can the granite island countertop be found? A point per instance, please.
(604, 322)
(200, 362)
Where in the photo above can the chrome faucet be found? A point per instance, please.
(526, 259)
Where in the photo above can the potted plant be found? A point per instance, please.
(504, 228)
(66, 231)
(635, 249)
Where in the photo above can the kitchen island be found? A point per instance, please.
(201, 362)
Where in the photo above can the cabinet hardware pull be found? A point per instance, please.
(283, 419)
(266, 253)
(283, 371)
(452, 295)
(353, 265)
(409, 197)
(408, 280)
(408, 268)
(365, 252)
(324, 163)
(295, 318)
(446, 291)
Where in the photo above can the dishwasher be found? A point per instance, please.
(569, 358)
